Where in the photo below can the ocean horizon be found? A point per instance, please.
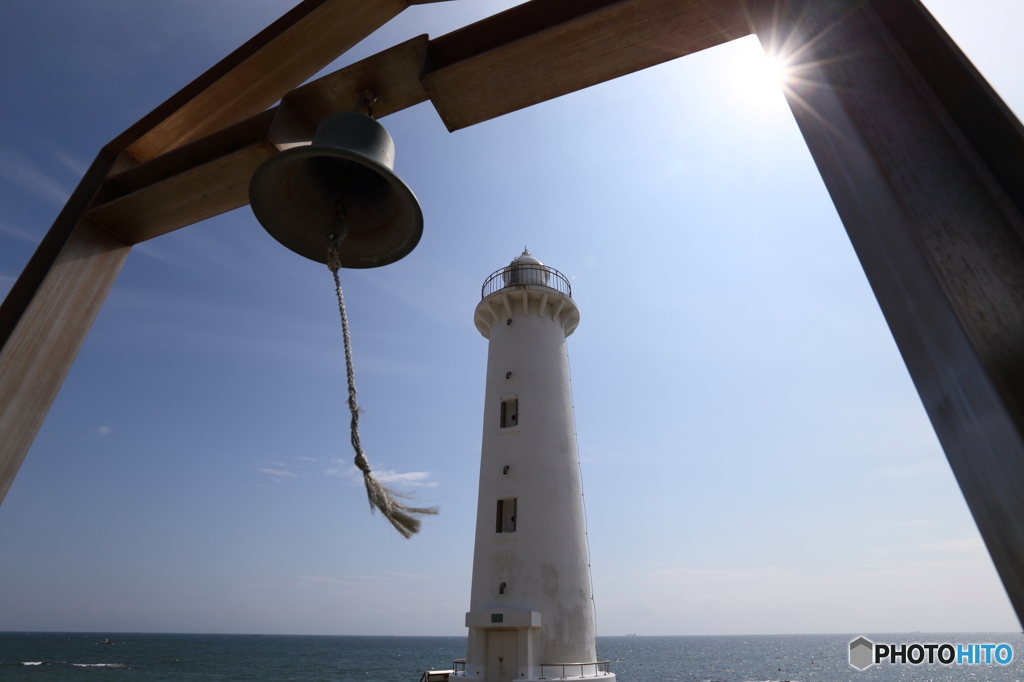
(148, 657)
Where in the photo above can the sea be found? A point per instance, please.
(46, 656)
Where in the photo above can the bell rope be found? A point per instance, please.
(402, 517)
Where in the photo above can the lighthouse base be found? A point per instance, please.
(501, 649)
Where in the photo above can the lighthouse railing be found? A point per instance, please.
(459, 666)
(568, 671)
(526, 276)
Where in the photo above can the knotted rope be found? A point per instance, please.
(403, 518)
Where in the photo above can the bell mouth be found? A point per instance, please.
(303, 195)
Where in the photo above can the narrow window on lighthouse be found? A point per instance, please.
(506, 518)
(509, 413)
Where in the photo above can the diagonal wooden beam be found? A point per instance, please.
(924, 164)
(306, 39)
(35, 360)
(548, 48)
(186, 185)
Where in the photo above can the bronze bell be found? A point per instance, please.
(341, 189)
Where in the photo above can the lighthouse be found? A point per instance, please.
(531, 609)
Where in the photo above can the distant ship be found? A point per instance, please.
(630, 634)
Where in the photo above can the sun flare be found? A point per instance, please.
(759, 80)
(773, 71)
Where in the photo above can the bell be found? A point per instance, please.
(339, 190)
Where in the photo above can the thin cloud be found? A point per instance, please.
(389, 477)
(103, 430)
(19, 169)
(276, 473)
(342, 471)
(412, 477)
(924, 467)
(959, 546)
(360, 581)
(159, 254)
(73, 164)
(20, 234)
(917, 523)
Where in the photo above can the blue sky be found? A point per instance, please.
(755, 457)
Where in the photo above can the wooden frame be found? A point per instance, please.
(924, 162)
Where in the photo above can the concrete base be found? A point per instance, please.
(603, 677)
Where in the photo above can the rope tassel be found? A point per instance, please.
(402, 517)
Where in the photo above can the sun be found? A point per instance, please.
(774, 71)
(759, 80)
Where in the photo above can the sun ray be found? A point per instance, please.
(789, 65)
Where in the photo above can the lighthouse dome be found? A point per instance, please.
(525, 269)
(526, 258)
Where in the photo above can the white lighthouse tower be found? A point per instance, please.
(531, 610)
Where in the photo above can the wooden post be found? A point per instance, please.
(925, 165)
(47, 314)
(51, 330)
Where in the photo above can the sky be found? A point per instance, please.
(755, 457)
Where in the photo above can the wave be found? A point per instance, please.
(99, 665)
(78, 665)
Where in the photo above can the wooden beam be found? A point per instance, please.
(211, 175)
(32, 277)
(259, 73)
(209, 190)
(45, 317)
(548, 48)
(393, 76)
(924, 164)
(191, 183)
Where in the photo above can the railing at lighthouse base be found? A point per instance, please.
(554, 671)
(574, 671)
